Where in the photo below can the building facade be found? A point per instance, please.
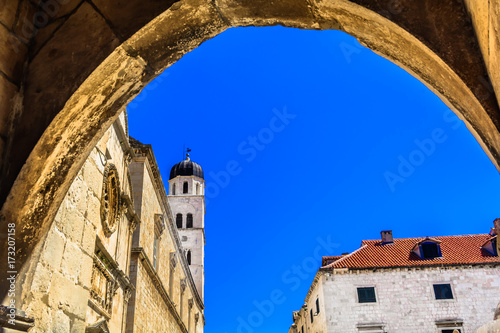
(113, 259)
(441, 284)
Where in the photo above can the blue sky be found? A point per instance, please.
(310, 143)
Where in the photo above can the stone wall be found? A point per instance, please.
(303, 319)
(82, 257)
(406, 301)
(175, 298)
(70, 67)
(55, 288)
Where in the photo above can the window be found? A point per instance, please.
(197, 188)
(155, 253)
(189, 221)
(188, 257)
(366, 295)
(302, 329)
(430, 250)
(185, 187)
(451, 330)
(173, 189)
(443, 291)
(178, 221)
(317, 305)
(312, 316)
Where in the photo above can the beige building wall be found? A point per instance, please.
(63, 288)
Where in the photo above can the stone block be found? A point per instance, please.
(67, 296)
(78, 326)
(8, 12)
(7, 91)
(41, 279)
(61, 323)
(89, 238)
(263, 13)
(53, 249)
(72, 261)
(129, 16)
(86, 271)
(28, 21)
(71, 221)
(93, 177)
(12, 55)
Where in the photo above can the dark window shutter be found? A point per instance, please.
(366, 295)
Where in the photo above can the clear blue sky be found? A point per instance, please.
(313, 128)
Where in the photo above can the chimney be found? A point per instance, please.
(386, 237)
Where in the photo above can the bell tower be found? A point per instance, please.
(187, 201)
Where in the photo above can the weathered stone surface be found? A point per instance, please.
(293, 13)
(7, 92)
(8, 12)
(53, 64)
(86, 44)
(128, 17)
(53, 249)
(11, 63)
(164, 41)
(66, 296)
(27, 21)
(62, 323)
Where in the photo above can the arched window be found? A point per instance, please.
(173, 190)
(188, 257)
(189, 220)
(178, 221)
(185, 187)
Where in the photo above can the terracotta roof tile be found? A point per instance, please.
(455, 250)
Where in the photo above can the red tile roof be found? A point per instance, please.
(455, 250)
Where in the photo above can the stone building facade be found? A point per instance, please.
(411, 285)
(113, 260)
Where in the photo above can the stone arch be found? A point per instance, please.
(95, 104)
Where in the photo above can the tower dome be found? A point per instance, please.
(186, 168)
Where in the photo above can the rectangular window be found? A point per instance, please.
(451, 330)
(366, 295)
(430, 250)
(155, 253)
(317, 305)
(443, 291)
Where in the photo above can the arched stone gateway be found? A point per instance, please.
(70, 66)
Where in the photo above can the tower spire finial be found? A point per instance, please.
(187, 154)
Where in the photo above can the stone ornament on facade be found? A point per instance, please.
(159, 224)
(110, 200)
(173, 260)
(103, 286)
(190, 303)
(183, 285)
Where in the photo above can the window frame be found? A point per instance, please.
(366, 287)
(185, 187)
(155, 251)
(177, 220)
(441, 284)
(189, 221)
(438, 246)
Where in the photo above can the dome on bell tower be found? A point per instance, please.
(186, 168)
